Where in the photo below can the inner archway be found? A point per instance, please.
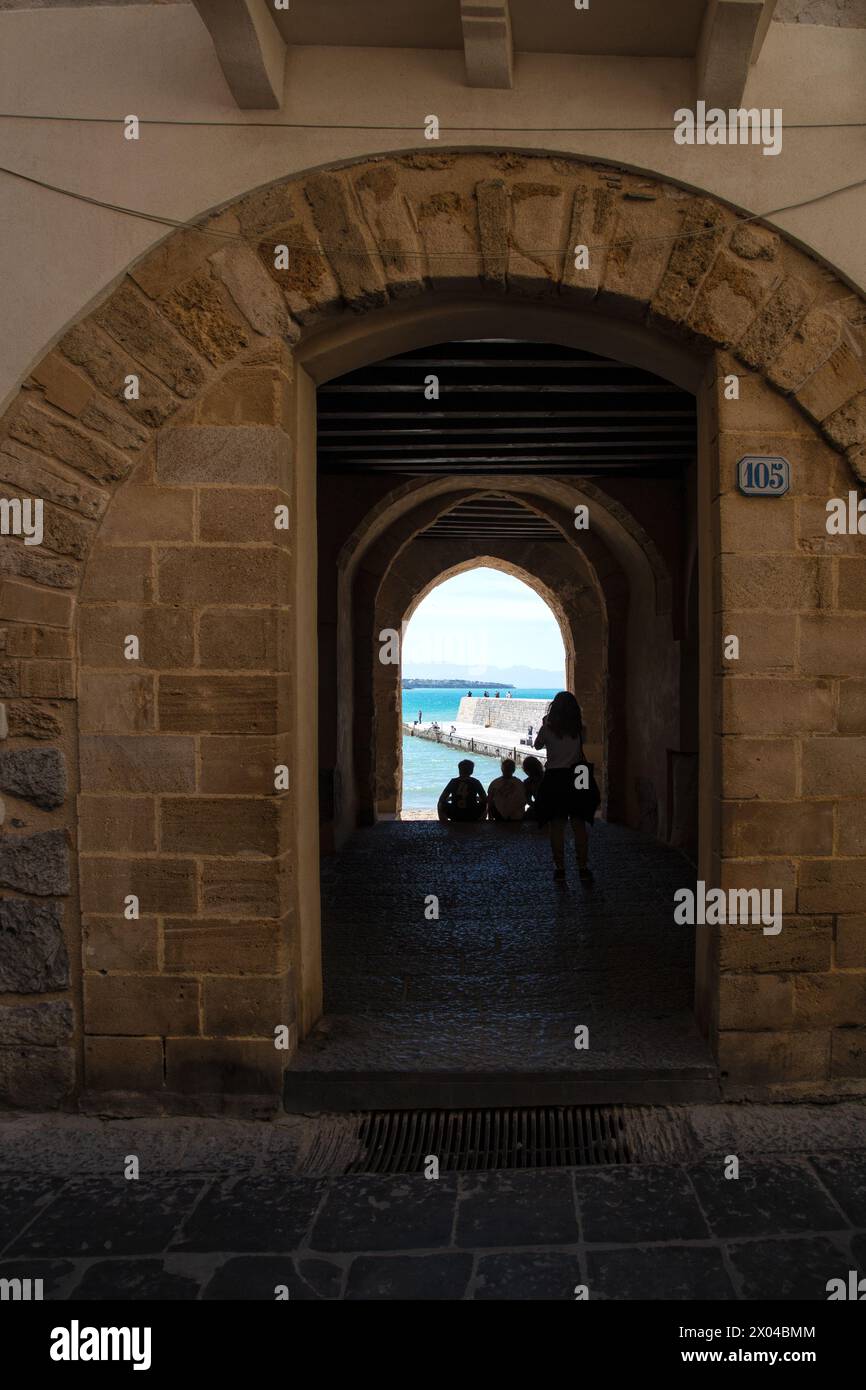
(479, 626)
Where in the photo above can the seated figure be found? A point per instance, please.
(506, 795)
(534, 769)
(463, 798)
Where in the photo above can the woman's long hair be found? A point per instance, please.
(564, 716)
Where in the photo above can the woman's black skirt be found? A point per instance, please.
(559, 799)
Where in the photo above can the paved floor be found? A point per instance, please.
(512, 964)
(224, 1210)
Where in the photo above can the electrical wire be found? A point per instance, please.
(193, 225)
(458, 129)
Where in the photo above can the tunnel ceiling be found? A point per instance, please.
(505, 407)
(491, 518)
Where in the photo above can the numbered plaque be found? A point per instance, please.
(763, 475)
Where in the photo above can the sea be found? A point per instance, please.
(428, 766)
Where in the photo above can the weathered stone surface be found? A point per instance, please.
(638, 255)
(37, 476)
(164, 633)
(33, 956)
(765, 336)
(108, 366)
(847, 426)
(37, 1078)
(593, 214)
(10, 677)
(308, 284)
(133, 322)
(41, 1025)
(493, 226)
(59, 438)
(253, 291)
(115, 702)
(27, 603)
(249, 454)
(221, 704)
(144, 763)
(104, 418)
(55, 679)
(30, 719)
(222, 574)
(26, 639)
(120, 574)
(30, 563)
(202, 311)
(378, 191)
(243, 396)
(833, 385)
(448, 228)
(175, 260)
(35, 863)
(36, 774)
(810, 344)
(755, 243)
(351, 251)
(700, 237)
(61, 385)
(729, 299)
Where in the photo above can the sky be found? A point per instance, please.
(484, 617)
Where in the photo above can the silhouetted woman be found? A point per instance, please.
(564, 794)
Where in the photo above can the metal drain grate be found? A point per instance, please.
(399, 1141)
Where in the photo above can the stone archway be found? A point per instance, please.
(618, 558)
(585, 609)
(159, 511)
(569, 596)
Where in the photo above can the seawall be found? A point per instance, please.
(514, 715)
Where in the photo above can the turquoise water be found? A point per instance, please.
(428, 766)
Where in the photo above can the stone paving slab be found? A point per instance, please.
(513, 962)
(653, 1231)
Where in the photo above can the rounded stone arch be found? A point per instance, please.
(616, 558)
(226, 350)
(555, 583)
(368, 749)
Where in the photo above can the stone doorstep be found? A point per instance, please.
(346, 1091)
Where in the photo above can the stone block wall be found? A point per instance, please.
(502, 714)
(178, 756)
(791, 742)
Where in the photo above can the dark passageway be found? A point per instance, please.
(481, 1006)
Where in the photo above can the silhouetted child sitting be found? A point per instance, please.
(534, 769)
(506, 795)
(464, 798)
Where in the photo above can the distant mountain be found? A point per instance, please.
(523, 676)
(428, 683)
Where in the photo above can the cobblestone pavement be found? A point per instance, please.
(221, 1211)
(513, 962)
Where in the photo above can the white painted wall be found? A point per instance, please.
(58, 256)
